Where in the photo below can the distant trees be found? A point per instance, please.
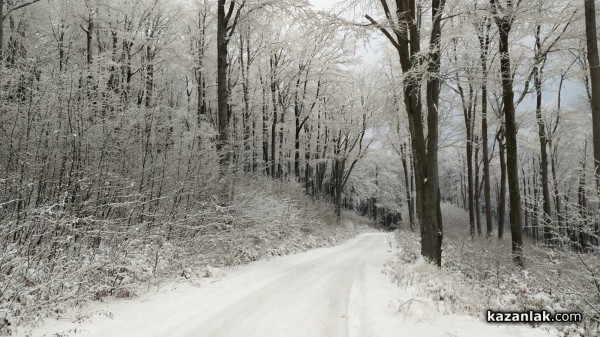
(162, 106)
(124, 111)
(5, 13)
(499, 118)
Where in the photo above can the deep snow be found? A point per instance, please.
(337, 291)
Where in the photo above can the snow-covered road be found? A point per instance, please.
(337, 292)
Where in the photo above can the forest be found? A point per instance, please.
(144, 139)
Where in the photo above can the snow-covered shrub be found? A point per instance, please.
(478, 274)
(55, 258)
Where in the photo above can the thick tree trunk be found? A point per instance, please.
(425, 150)
(1, 31)
(512, 162)
(407, 184)
(594, 65)
(222, 92)
(431, 228)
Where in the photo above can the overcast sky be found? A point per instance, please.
(572, 94)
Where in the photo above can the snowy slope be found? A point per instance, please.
(337, 291)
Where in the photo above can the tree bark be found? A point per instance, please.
(502, 191)
(547, 216)
(594, 65)
(477, 192)
(504, 23)
(225, 28)
(432, 234)
(1, 31)
(582, 203)
(274, 121)
(484, 43)
(89, 37)
(222, 93)
(407, 184)
(406, 41)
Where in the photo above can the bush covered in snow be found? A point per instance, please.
(479, 274)
(54, 259)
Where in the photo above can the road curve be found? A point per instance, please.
(308, 294)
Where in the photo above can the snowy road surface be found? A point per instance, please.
(337, 292)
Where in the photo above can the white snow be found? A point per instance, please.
(338, 291)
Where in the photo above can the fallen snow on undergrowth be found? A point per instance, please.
(340, 291)
(478, 274)
(66, 266)
(434, 303)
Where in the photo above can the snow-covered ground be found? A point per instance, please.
(336, 291)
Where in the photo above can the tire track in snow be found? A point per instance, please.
(305, 294)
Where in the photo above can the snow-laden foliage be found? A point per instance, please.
(68, 261)
(477, 275)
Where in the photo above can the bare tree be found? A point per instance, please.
(226, 24)
(483, 27)
(4, 13)
(504, 16)
(594, 68)
(405, 37)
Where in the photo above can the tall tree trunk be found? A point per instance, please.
(407, 184)
(246, 124)
(222, 92)
(463, 194)
(582, 203)
(547, 216)
(425, 151)
(484, 43)
(502, 191)
(1, 31)
(535, 223)
(470, 189)
(89, 38)
(432, 235)
(594, 65)
(200, 79)
(477, 194)
(526, 192)
(557, 197)
(297, 129)
(265, 127)
(512, 163)
(274, 121)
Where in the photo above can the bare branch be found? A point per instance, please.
(18, 7)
